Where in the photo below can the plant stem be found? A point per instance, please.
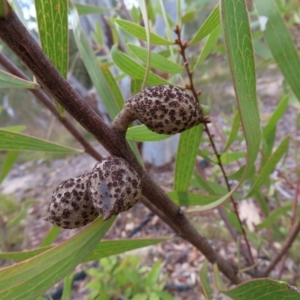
(15, 35)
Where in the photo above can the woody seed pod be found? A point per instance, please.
(163, 109)
(71, 205)
(115, 186)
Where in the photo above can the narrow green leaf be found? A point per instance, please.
(274, 216)
(19, 256)
(186, 157)
(280, 43)
(14, 141)
(157, 61)
(108, 248)
(92, 66)
(32, 277)
(8, 163)
(209, 45)
(52, 19)
(212, 21)
(113, 87)
(103, 249)
(276, 116)
(67, 291)
(229, 157)
(142, 134)
(269, 131)
(270, 165)
(140, 32)
(266, 289)
(189, 199)
(17, 128)
(8, 81)
(188, 17)
(205, 282)
(144, 10)
(240, 54)
(234, 131)
(86, 9)
(51, 236)
(134, 69)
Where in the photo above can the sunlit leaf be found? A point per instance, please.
(86, 9)
(157, 61)
(186, 157)
(211, 23)
(142, 134)
(140, 32)
(134, 69)
(34, 276)
(52, 19)
(189, 199)
(266, 289)
(14, 141)
(270, 165)
(8, 81)
(280, 43)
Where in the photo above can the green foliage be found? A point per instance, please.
(128, 278)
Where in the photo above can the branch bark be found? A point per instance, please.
(15, 35)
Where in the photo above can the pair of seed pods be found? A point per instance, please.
(113, 185)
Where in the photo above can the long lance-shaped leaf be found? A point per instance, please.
(103, 249)
(142, 134)
(8, 81)
(208, 26)
(32, 277)
(270, 165)
(134, 69)
(140, 32)
(280, 43)
(186, 157)
(14, 141)
(209, 45)
(52, 19)
(101, 77)
(266, 289)
(241, 61)
(92, 66)
(157, 61)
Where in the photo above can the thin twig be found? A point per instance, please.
(15, 35)
(286, 246)
(182, 47)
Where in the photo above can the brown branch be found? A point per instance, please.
(286, 246)
(249, 257)
(15, 35)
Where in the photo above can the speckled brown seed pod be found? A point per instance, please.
(71, 205)
(115, 186)
(164, 109)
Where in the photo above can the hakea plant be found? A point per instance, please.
(113, 186)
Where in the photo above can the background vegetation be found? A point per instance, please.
(251, 154)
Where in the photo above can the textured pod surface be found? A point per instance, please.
(71, 205)
(165, 109)
(115, 186)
